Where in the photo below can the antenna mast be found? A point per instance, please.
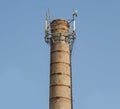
(71, 34)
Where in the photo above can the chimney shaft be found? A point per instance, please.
(60, 74)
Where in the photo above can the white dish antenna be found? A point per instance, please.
(75, 13)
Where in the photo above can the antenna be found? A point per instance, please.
(74, 15)
(46, 23)
(49, 14)
(47, 26)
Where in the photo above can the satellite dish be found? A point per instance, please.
(75, 13)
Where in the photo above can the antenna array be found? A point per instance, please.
(71, 35)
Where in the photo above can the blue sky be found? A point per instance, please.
(24, 56)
